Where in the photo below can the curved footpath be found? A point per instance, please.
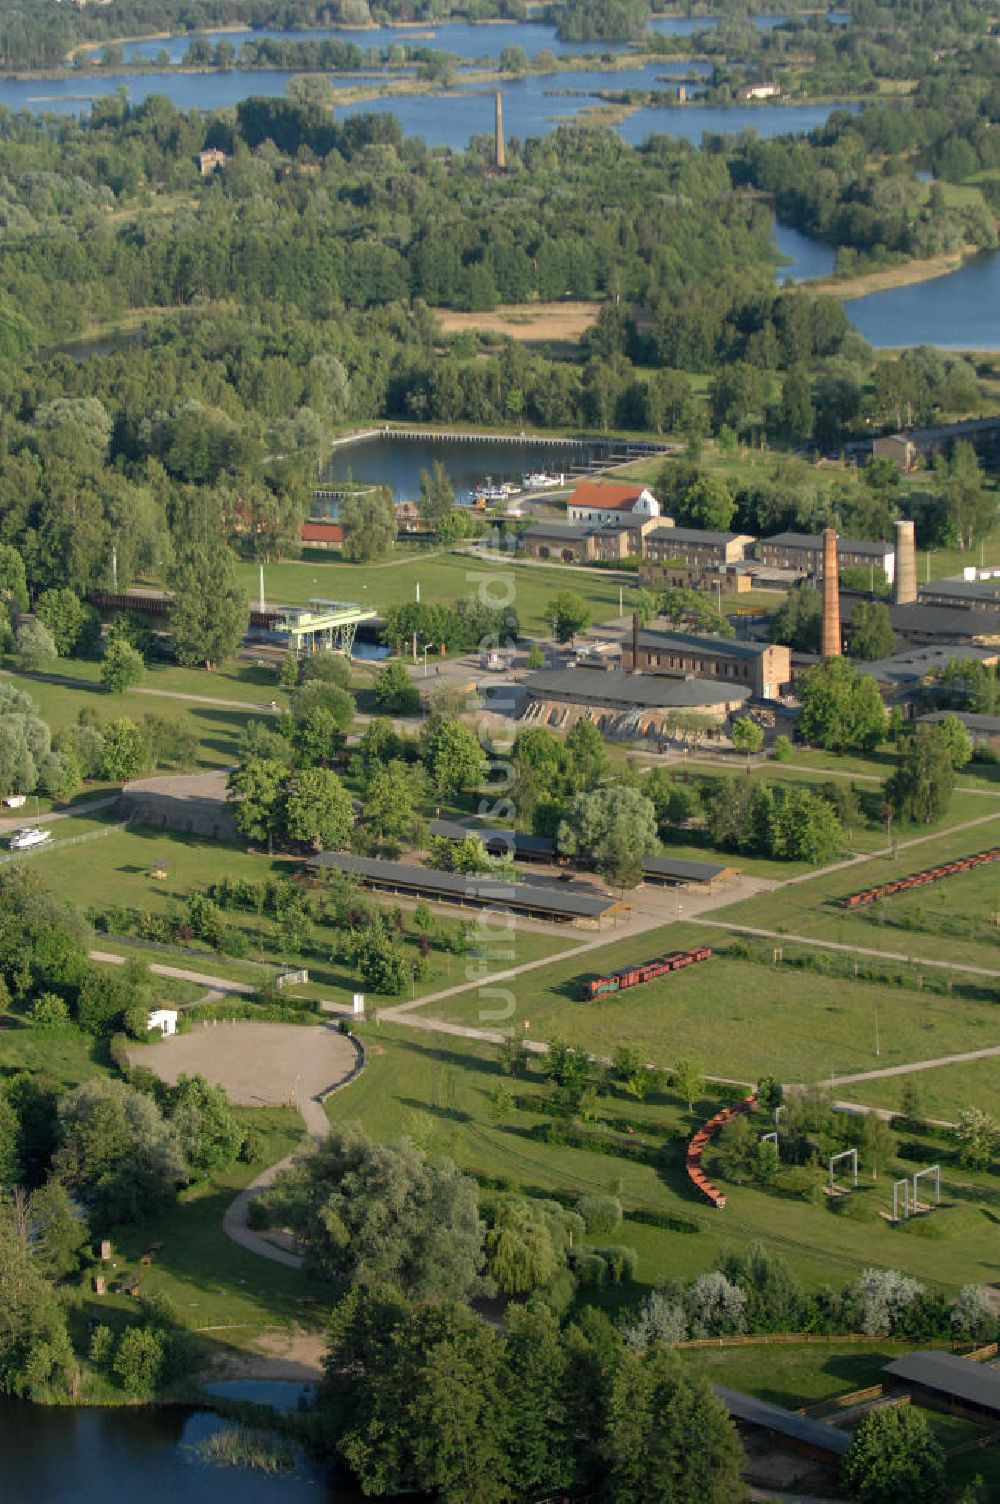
(235, 1221)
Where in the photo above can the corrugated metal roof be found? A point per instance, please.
(643, 691)
(694, 872)
(756, 1412)
(948, 1374)
(517, 840)
(499, 891)
(814, 541)
(726, 647)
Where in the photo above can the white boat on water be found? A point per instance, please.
(541, 480)
(489, 492)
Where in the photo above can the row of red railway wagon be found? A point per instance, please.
(920, 879)
(700, 1143)
(632, 976)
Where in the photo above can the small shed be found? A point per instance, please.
(163, 1019)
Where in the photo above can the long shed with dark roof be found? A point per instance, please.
(959, 1383)
(556, 902)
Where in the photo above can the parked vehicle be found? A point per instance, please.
(633, 976)
(31, 835)
(921, 879)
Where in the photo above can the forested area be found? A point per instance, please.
(294, 293)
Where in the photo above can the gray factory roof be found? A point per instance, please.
(755, 1412)
(961, 590)
(915, 663)
(935, 621)
(814, 541)
(565, 530)
(988, 724)
(726, 647)
(646, 691)
(691, 535)
(683, 872)
(518, 841)
(948, 1374)
(497, 892)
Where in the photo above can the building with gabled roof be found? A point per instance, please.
(603, 502)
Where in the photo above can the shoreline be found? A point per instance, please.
(907, 274)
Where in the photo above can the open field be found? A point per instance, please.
(216, 727)
(525, 322)
(115, 872)
(441, 577)
(739, 1019)
(794, 1376)
(952, 920)
(942, 1092)
(438, 1089)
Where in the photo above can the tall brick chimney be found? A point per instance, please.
(501, 146)
(831, 595)
(635, 642)
(905, 577)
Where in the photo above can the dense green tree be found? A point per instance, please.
(318, 809)
(977, 1135)
(613, 827)
(209, 613)
(708, 503)
(35, 646)
(958, 740)
(841, 709)
(746, 734)
(36, 1358)
(59, 1234)
(373, 1213)
(869, 632)
(67, 618)
(798, 621)
(655, 1410)
(452, 755)
(121, 667)
(569, 613)
(258, 787)
(395, 692)
(116, 1150)
(124, 752)
(894, 1458)
(369, 523)
(920, 789)
(207, 1129)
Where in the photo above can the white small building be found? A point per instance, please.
(601, 503)
(163, 1019)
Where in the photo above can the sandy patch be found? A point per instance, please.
(526, 322)
(259, 1064)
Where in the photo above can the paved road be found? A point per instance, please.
(852, 950)
(14, 822)
(178, 973)
(915, 1065)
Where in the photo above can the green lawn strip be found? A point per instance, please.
(816, 908)
(943, 1090)
(442, 578)
(738, 1018)
(68, 1055)
(211, 1281)
(438, 1088)
(115, 872)
(217, 728)
(794, 1375)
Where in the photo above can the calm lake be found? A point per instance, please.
(463, 39)
(79, 1456)
(398, 462)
